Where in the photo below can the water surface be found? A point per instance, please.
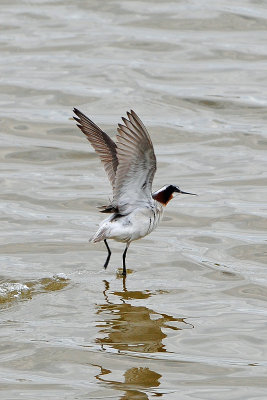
(189, 322)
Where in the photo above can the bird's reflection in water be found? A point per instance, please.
(127, 327)
(132, 328)
(136, 381)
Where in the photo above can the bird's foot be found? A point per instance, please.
(121, 273)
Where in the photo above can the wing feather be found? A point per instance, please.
(104, 146)
(130, 163)
(137, 165)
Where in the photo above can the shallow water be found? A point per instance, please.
(190, 320)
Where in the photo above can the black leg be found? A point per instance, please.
(124, 258)
(109, 254)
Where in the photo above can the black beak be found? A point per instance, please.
(192, 194)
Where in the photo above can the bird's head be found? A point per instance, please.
(166, 193)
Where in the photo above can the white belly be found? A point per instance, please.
(134, 226)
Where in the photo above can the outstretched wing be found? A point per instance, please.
(137, 165)
(104, 146)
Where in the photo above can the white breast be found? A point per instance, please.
(135, 225)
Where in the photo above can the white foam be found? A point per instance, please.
(12, 288)
(60, 276)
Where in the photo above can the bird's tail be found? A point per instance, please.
(100, 235)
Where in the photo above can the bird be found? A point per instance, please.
(130, 163)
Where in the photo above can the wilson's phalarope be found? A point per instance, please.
(130, 164)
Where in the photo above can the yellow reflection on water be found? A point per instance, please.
(132, 328)
(135, 379)
(136, 328)
(12, 292)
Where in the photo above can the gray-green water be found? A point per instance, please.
(190, 322)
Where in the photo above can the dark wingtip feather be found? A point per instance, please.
(108, 209)
(76, 111)
(104, 146)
